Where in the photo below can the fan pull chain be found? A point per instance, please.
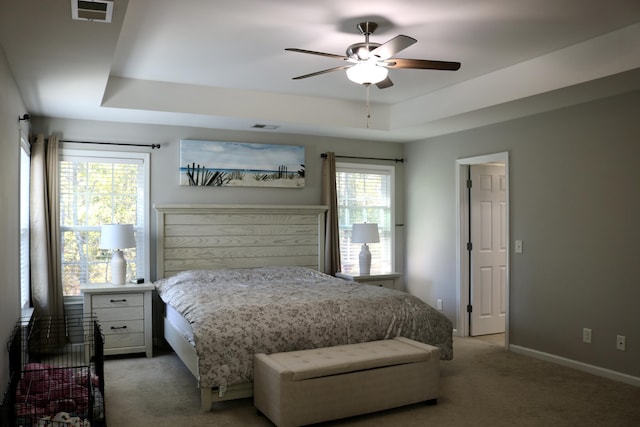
(368, 104)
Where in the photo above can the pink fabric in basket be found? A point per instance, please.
(46, 390)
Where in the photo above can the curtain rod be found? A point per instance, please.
(153, 146)
(324, 156)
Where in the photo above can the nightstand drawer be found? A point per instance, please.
(123, 340)
(384, 280)
(125, 313)
(121, 327)
(117, 300)
(123, 333)
(384, 283)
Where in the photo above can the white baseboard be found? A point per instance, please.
(580, 366)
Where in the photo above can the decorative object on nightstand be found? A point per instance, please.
(365, 233)
(117, 237)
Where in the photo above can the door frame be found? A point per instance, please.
(462, 236)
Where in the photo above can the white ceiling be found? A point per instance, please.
(223, 65)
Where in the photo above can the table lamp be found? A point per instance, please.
(117, 237)
(365, 233)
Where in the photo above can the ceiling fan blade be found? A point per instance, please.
(385, 83)
(317, 73)
(422, 64)
(313, 52)
(393, 46)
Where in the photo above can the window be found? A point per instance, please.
(101, 187)
(365, 194)
(25, 172)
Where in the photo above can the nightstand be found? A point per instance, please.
(124, 313)
(388, 280)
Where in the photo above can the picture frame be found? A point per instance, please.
(241, 164)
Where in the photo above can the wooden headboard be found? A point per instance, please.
(238, 236)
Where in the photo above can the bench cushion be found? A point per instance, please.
(322, 362)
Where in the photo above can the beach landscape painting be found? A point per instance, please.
(240, 164)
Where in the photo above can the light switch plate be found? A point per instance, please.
(518, 246)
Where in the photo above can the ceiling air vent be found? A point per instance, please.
(92, 10)
(261, 126)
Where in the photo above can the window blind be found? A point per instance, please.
(365, 194)
(25, 275)
(95, 189)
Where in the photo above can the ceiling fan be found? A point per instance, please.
(370, 62)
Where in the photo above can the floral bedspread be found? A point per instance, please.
(235, 313)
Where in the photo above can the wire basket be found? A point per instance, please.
(56, 366)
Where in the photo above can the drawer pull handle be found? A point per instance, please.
(119, 300)
(119, 327)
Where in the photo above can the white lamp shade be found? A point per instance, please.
(365, 233)
(367, 72)
(117, 236)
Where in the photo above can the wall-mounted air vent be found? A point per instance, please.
(92, 10)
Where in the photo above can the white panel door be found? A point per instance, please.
(488, 254)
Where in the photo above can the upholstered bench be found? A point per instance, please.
(310, 386)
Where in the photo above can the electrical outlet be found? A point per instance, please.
(439, 304)
(621, 342)
(586, 335)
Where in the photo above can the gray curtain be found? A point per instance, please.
(330, 198)
(46, 279)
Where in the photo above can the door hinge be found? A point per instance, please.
(469, 246)
(469, 308)
(469, 183)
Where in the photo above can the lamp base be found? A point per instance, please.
(118, 268)
(365, 260)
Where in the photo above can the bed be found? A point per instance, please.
(236, 280)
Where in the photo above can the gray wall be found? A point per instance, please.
(165, 163)
(11, 107)
(574, 202)
(164, 178)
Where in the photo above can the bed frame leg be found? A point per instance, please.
(205, 399)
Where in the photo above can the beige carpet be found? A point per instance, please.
(483, 386)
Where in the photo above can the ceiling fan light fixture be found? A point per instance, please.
(371, 61)
(367, 72)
